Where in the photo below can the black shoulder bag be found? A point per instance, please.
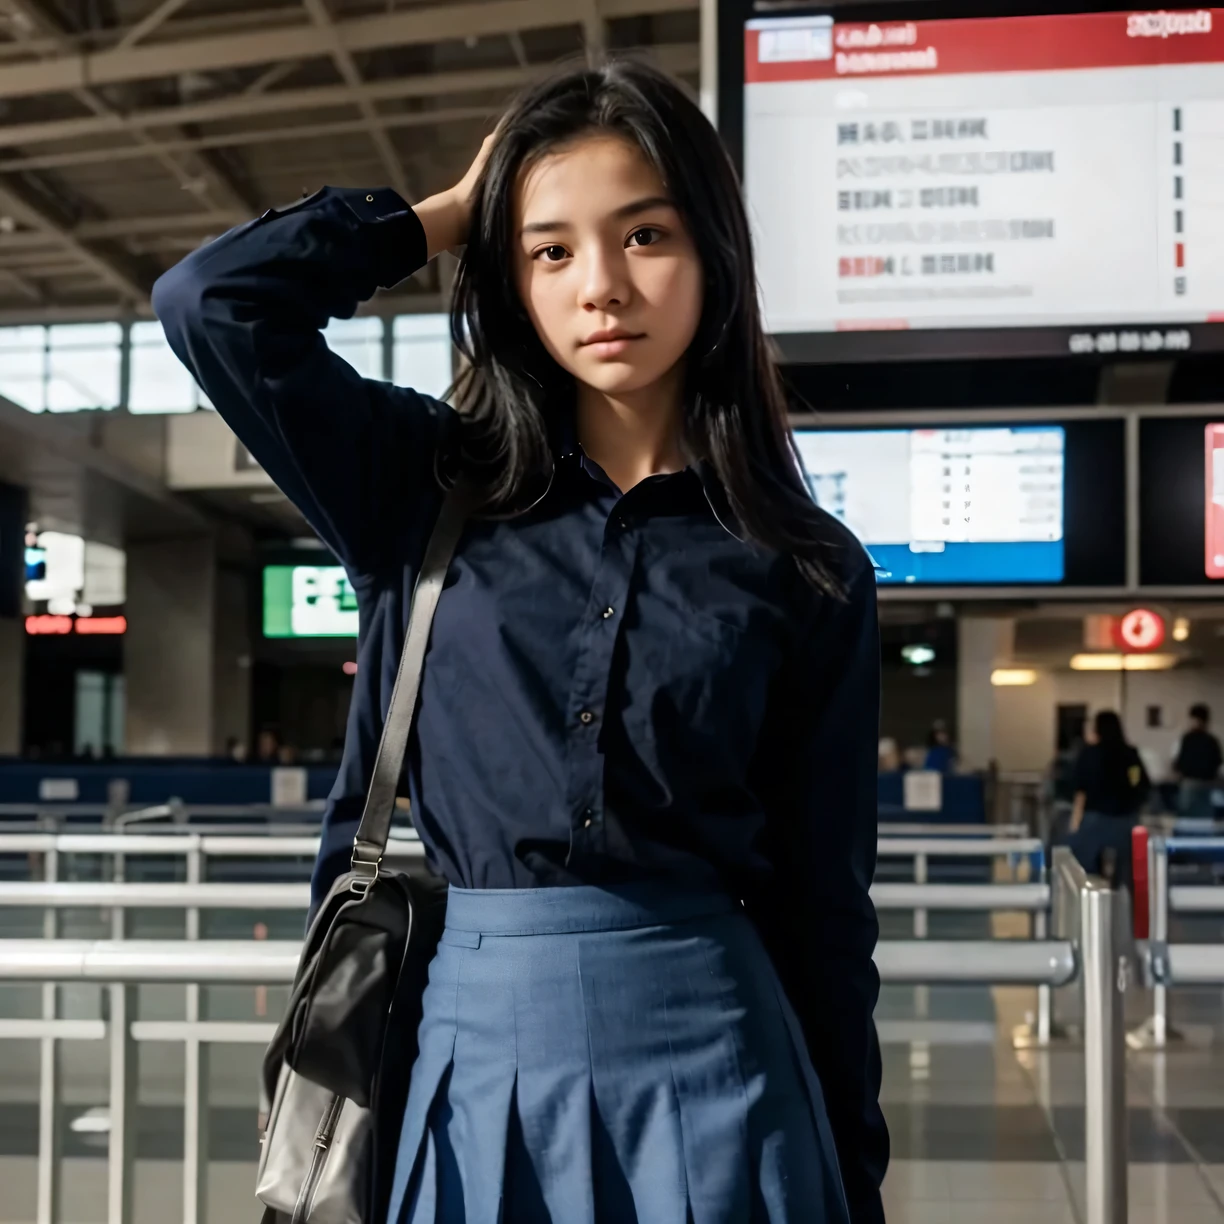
(336, 1085)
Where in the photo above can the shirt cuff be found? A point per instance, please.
(395, 231)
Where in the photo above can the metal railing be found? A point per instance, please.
(1086, 950)
(1170, 966)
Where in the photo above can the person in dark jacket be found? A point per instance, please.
(1111, 787)
(1197, 767)
(644, 754)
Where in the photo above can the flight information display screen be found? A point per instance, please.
(1181, 501)
(952, 506)
(1004, 184)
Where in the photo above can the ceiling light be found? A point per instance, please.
(1013, 677)
(1181, 628)
(918, 654)
(1123, 662)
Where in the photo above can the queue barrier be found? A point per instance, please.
(1089, 950)
(1171, 966)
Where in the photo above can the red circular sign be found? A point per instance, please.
(1141, 629)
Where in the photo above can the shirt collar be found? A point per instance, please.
(567, 448)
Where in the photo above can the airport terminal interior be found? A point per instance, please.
(991, 264)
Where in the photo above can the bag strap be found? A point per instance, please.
(375, 826)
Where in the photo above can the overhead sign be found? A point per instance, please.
(46, 625)
(1141, 629)
(308, 601)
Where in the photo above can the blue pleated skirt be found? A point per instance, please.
(610, 1057)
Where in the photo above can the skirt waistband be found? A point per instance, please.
(571, 909)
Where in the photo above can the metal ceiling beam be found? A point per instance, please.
(229, 140)
(24, 286)
(213, 221)
(299, 41)
(127, 283)
(347, 67)
(143, 28)
(211, 176)
(594, 32)
(676, 57)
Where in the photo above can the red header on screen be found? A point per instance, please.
(1001, 44)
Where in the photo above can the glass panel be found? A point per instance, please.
(83, 366)
(159, 382)
(23, 366)
(359, 342)
(115, 727)
(422, 354)
(89, 728)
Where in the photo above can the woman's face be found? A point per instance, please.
(604, 264)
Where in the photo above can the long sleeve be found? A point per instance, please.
(245, 315)
(816, 917)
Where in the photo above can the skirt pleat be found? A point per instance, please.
(610, 1057)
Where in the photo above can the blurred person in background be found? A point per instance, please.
(644, 754)
(940, 754)
(1111, 787)
(1197, 766)
(267, 746)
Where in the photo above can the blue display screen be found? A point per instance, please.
(963, 506)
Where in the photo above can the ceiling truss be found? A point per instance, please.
(209, 115)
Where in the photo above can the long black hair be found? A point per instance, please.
(1116, 755)
(735, 416)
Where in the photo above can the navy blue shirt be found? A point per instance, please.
(617, 685)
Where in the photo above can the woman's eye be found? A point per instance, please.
(645, 236)
(553, 254)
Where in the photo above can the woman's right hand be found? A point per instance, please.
(446, 216)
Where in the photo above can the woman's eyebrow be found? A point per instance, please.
(626, 210)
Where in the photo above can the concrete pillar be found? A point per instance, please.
(232, 658)
(186, 655)
(982, 645)
(12, 685)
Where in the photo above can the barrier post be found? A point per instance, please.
(1105, 971)
(920, 877)
(121, 1155)
(195, 1078)
(1158, 868)
(1156, 1032)
(50, 1142)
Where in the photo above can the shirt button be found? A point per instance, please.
(608, 613)
(586, 717)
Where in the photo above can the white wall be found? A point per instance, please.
(1023, 719)
(201, 453)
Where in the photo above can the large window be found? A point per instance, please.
(67, 367)
(422, 353)
(159, 382)
(359, 342)
(74, 367)
(23, 366)
(83, 361)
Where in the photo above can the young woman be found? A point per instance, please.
(645, 746)
(1111, 786)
